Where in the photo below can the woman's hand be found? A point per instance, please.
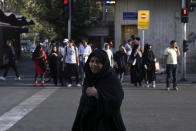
(55, 54)
(92, 91)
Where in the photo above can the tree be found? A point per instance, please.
(51, 16)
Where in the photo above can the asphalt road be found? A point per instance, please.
(142, 109)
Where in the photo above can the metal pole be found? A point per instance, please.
(104, 11)
(184, 53)
(184, 56)
(69, 21)
(142, 40)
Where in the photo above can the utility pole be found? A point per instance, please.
(69, 21)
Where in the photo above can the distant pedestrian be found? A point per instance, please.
(111, 45)
(149, 66)
(136, 66)
(40, 58)
(120, 58)
(54, 63)
(102, 95)
(63, 74)
(170, 59)
(11, 61)
(72, 63)
(84, 52)
(128, 47)
(110, 54)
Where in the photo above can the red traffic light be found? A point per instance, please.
(66, 1)
(184, 11)
(184, 15)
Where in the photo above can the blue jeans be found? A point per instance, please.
(81, 67)
(171, 69)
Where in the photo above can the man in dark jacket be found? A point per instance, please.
(11, 61)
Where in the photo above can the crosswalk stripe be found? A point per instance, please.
(10, 118)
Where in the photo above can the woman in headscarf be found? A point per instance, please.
(54, 63)
(40, 58)
(120, 57)
(102, 95)
(149, 65)
(136, 65)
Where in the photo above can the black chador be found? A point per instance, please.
(102, 114)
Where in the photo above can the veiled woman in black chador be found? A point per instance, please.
(149, 65)
(102, 95)
(136, 65)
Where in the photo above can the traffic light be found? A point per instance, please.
(66, 1)
(185, 46)
(184, 15)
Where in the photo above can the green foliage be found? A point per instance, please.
(51, 16)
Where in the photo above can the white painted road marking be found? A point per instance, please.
(10, 118)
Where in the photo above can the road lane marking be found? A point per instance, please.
(10, 118)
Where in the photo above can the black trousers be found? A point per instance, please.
(72, 70)
(12, 64)
(171, 69)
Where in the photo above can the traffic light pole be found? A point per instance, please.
(69, 21)
(184, 53)
(184, 56)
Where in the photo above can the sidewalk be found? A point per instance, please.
(161, 78)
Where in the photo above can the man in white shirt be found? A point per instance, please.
(72, 63)
(110, 54)
(84, 51)
(170, 59)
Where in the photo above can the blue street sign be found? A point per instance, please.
(25, 30)
(130, 15)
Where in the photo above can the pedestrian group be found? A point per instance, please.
(65, 63)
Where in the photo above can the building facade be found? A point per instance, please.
(165, 25)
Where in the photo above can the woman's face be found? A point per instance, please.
(150, 48)
(107, 47)
(95, 65)
(54, 49)
(121, 48)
